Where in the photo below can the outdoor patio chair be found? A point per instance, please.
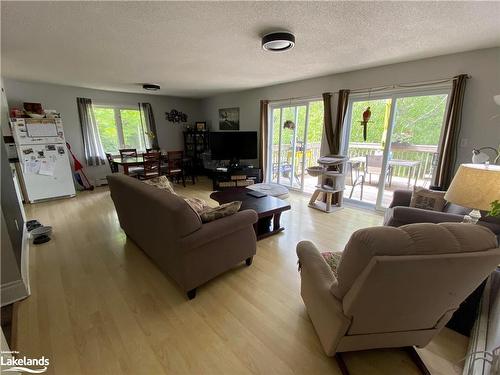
(373, 165)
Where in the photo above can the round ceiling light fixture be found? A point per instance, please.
(150, 87)
(279, 41)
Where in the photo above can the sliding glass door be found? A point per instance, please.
(400, 150)
(295, 141)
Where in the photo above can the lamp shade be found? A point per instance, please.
(475, 186)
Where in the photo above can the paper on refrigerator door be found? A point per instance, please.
(47, 167)
(31, 166)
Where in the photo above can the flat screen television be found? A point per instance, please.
(233, 145)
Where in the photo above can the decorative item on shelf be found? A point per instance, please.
(475, 186)
(201, 126)
(33, 108)
(52, 113)
(481, 157)
(176, 116)
(367, 114)
(288, 124)
(16, 112)
(229, 118)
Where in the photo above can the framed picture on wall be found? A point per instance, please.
(200, 126)
(229, 119)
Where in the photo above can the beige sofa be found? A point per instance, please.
(394, 287)
(165, 227)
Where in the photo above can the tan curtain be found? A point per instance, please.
(333, 131)
(448, 147)
(264, 131)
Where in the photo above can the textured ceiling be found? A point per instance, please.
(203, 48)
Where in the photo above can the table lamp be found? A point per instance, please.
(475, 186)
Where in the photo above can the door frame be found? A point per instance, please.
(393, 95)
(280, 104)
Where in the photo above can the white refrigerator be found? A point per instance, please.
(44, 159)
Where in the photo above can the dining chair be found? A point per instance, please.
(373, 165)
(151, 166)
(112, 165)
(128, 153)
(357, 178)
(175, 167)
(133, 170)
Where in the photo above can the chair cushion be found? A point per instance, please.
(412, 239)
(427, 199)
(161, 182)
(223, 210)
(333, 260)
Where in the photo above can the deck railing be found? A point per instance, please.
(312, 154)
(426, 154)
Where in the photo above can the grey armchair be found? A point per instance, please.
(399, 213)
(394, 287)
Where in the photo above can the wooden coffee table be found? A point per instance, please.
(268, 209)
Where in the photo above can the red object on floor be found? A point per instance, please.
(80, 176)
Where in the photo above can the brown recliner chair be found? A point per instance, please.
(394, 287)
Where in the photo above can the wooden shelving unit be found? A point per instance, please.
(195, 144)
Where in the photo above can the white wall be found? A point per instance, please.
(63, 99)
(478, 129)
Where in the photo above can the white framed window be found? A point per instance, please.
(120, 127)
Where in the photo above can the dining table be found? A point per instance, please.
(127, 162)
(136, 161)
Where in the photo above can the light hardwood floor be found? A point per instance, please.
(100, 306)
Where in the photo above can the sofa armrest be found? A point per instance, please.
(401, 198)
(219, 228)
(411, 215)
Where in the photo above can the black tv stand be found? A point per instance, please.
(231, 177)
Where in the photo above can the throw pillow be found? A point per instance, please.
(427, 199)
(161, 182)
(223, 210)
(197, 204)
(333, 260)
